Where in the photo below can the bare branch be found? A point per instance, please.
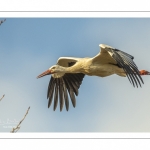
(2, 97)
(14, 130)
(2, 21)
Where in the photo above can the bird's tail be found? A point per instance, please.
(144, 72)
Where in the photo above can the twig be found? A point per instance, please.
(2, 97)
(2, 21)
(18, 126)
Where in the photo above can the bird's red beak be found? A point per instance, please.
(47, 72)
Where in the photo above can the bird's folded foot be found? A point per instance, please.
(144, 72)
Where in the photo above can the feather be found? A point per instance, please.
(61, 94)
(56, 95)
(65, 96)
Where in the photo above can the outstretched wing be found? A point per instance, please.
(65, 87)
(67, 61)
(123, 60)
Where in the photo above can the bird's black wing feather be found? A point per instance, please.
(67, 86)
(125, 61)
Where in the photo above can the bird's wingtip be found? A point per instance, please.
(104, 46)
(101, 45)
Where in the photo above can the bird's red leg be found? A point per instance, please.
(144, 72)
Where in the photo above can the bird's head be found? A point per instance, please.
(52, 70)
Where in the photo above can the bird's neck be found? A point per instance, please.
(72, 69)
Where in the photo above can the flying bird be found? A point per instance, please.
(68, 73)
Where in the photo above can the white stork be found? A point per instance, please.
(68, 73)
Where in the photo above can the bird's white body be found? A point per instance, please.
(101, 65)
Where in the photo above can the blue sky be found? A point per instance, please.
(29, 46)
